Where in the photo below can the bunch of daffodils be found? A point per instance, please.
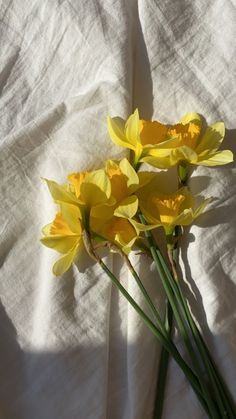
(118, 206)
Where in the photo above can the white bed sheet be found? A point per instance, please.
(72, 348)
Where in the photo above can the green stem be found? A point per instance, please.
(225, 403)
(180, 322)
(168, 344)
(147, 297)
(166, 330)
(221, 392)
(182, 173)
(163, 367)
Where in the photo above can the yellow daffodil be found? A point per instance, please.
(116, 230)
(76, 200)
(135, 134)
(116, 223)
(85, 191)
(104, 202)
(91, 188)
(64, 235)
(163, 146)
(171, 210)
(112, 221)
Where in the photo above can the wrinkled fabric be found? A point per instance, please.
(72, 347)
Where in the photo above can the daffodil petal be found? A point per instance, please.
(157, 161)
(188, 198)
(103, 211)
(212, 138)
(202, 207)
(129, 172)
(145, 178)
(127, 208)
(132, 128)
(65, 262)
(96, 188)
(116, 128)
(183, 153)
(165, 158)
(127, 235)
(150, 212)
(143, 227)
(128, 247)
(218, 159)
(60, 193)
(72, 216)
(61, 244)
(185, 218)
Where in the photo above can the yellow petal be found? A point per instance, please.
(118, 179)
(129, 172)
(116, 129)
(127, 208)
(150, 212)
(185, 218)
(103, 211)
(61, 244)
(183, 153)
(72, 216)
(158, 161)
(145, 178)
(60, 193)
(122, 232)
(202, 207)
(132, 128)
(96, 188)
(143, 227)
(188, 201)
(65, 262)
(212, 138)
(218, 159)
(128, 247)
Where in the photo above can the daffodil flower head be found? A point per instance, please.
(188, 141)
(111, 220)
(163, 146)
(85, 190)
(116, 230)
(115, 220)
(168, 211)
(135, 134)
(123, 178)
(64, 235)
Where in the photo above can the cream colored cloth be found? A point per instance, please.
(71, 347)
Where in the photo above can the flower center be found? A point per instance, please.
(76, 180)
(152, 132)
(168, 207)
(118, 183)
(187, 134)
